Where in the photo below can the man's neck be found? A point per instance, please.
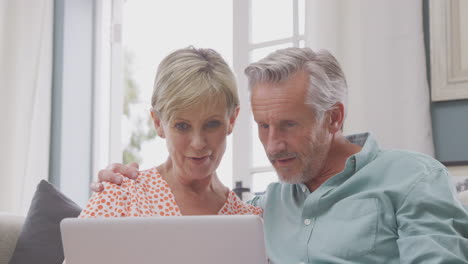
(341, 149)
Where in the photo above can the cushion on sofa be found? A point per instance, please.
(40, 240)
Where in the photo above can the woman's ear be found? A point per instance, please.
(232, 119)
(157, 124)
(336, 118)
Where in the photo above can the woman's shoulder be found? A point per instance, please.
(107, 203)
(150, 176)
(116, 200)
(235, 206)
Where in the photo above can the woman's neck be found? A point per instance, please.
(178, 179)
(194, 197)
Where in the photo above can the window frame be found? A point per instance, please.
(73, 105)
(108, 83)
(109, 77)
(242, 163)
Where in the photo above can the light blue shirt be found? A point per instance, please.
(386, 206)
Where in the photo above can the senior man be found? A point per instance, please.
(340, 199)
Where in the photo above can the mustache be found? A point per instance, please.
(282, 155)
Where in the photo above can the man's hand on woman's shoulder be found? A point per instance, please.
(113, 173)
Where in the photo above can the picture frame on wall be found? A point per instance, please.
(449, 49)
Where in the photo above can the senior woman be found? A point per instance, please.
(194, 108)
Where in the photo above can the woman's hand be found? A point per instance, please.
(113, 174)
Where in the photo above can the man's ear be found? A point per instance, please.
(157, 124)
(232, 119)
(336, 118)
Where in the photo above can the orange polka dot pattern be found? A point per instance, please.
(149, 195)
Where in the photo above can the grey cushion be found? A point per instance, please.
(40, 240)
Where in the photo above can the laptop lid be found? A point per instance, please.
(178, 240)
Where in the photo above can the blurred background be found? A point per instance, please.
(77, 78)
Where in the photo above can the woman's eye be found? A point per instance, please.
(182, 126)
(213, 124)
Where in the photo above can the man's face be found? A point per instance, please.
(296, 144)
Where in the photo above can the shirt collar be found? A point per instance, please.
(355, 162)
(369, 150)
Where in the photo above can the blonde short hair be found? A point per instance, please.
(189, 77)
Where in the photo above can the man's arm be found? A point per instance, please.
(432, 223)
(113, 174)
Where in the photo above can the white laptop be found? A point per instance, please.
(177, 240)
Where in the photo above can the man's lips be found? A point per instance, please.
(284, 161)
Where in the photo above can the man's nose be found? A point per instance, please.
(275, 143)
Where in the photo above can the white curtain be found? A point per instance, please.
(26, 34)
(380, 45)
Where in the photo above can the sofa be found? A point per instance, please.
(11, 227)
(35, 238)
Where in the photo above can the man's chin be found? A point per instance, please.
(289, 178)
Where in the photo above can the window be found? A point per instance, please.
(143, 32)
(281, 26)
(150, 31)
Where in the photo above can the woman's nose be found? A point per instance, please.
(198, 141)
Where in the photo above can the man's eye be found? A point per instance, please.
(264, 126)
(290, 124)
(182, 126)
(213, 124)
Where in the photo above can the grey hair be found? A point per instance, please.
(327, 83)
(189, 77)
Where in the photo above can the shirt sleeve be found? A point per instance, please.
(432, 222)
(111, 202)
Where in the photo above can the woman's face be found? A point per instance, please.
(196, 138)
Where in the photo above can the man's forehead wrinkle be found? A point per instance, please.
(274, 93)
(272, 119)
(275, 101)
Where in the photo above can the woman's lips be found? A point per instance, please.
(199, 160)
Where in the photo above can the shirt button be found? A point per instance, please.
(307, 222)
(304, 189)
